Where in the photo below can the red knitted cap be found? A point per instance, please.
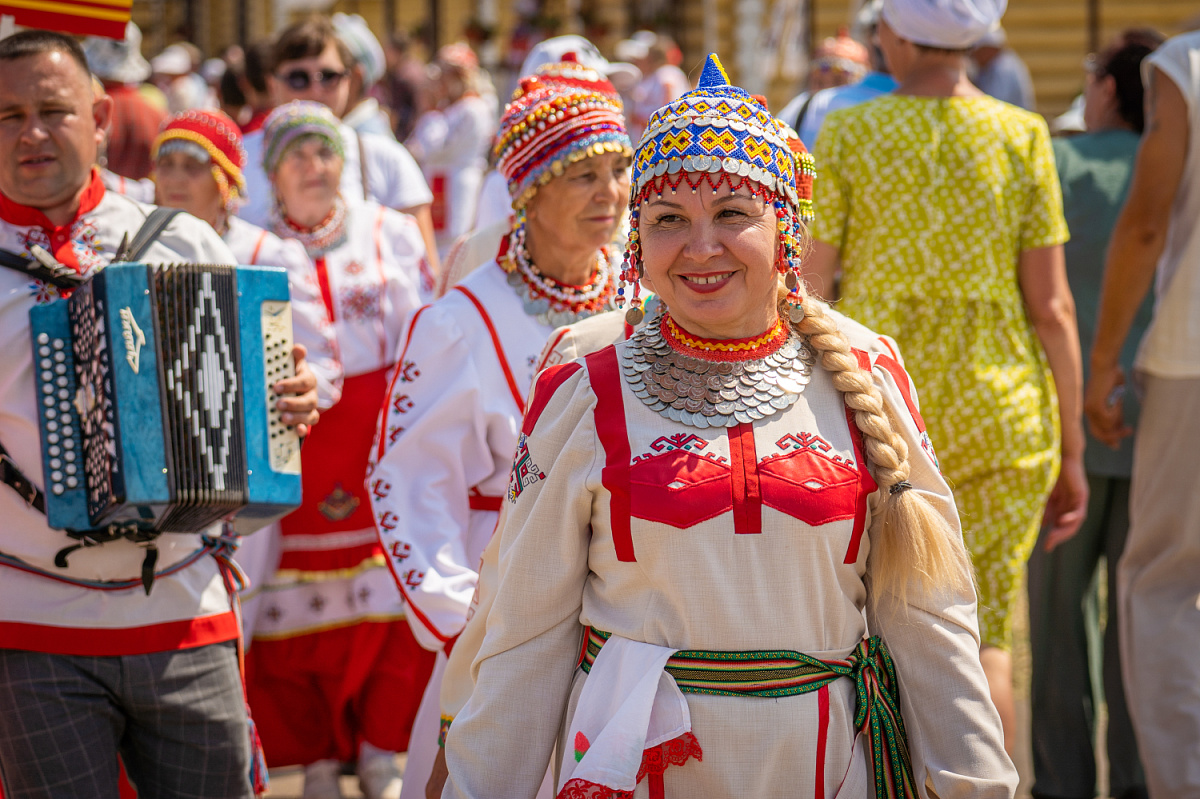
(218, 135)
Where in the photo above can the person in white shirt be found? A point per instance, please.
(363, 112)
(312, 63)
(451, 143)
(89, 663)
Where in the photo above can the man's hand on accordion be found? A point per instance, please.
(298, 395)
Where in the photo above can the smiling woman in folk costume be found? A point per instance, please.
(736, 507)
(449, 427)
(576, 341)
(335, 673)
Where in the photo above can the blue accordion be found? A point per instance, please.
(155, 402)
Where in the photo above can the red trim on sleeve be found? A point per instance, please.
(408, 603)
(258, 246)
(544, 387)
(864, 359)
(902, 382)
(110, 642)
(558, 336)
(387, 398)
(487, 320)
(605, 375)
(323, 281)
(747, 494)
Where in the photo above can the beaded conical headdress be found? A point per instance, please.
(561, 114)
(718, 134)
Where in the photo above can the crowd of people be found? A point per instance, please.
(646, 453)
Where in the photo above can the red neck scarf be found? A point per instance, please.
(60, 235)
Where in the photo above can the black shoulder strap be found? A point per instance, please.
(149, 232)
(45, 269)
(12, 476)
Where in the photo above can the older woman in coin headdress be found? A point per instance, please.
(734, 512)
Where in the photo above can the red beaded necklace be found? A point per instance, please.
(737, 349)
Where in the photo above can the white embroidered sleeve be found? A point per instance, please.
(431, 448)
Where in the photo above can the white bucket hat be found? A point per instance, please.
(550, 51)
(117, 61)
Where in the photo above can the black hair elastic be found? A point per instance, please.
(903, 485)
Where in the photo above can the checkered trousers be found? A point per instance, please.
(177, 718)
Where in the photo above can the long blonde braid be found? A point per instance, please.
(916, 542)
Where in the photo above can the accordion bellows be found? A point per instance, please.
(155, 401)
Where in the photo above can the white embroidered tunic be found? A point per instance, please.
(752, 537)
(188, 608)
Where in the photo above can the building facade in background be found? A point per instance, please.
(763, 43)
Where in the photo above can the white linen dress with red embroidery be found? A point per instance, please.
(188, 608)
(749, 538)
(565, 345)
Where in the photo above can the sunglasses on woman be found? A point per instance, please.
(300, 79)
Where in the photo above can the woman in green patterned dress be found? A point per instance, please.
(943, 208)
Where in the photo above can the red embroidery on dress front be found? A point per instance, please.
(362, 303)
(744, 478)
(677, 441)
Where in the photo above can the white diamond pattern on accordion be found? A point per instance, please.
(207, 353)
